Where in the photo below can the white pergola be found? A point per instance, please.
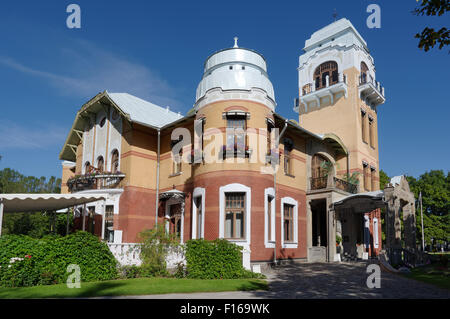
(21, 203)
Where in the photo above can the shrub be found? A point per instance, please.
(218, 259)
(26, 261)
(129, 272)
(156, 243)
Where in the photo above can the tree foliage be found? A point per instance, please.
(11, 181)
(429, 37)
(36, 224)
(384, 179)
(435, 188)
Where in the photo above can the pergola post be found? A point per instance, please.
(103, 218)
(1, 215)
(83, 228)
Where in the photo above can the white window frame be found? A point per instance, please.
(236, 188)
(269, 242)
(198, 192)
(375, 232)
(293, 202)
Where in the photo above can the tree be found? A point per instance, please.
(384, 179)
(435, 188)
(32, 224)
(429, 37)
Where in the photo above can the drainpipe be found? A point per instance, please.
(275, 195)
(157, 178)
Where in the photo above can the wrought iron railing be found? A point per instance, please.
(345, 186)
(94, 181)
(319, 182)
(312, 87)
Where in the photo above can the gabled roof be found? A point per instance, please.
(144, 112)
(134, 109)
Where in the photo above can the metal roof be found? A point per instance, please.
(142, 111)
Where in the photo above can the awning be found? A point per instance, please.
(173, 193)
(45, 202)
(361, 202)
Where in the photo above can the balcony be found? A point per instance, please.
(90, 181)
(322, 182)
(310, 92)
(370, 90)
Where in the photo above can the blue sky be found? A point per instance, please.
(156, 50)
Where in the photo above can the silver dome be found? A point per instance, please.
(235, 69)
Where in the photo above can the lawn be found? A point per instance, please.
(138, 286)
(434, 274)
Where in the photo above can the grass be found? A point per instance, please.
(129, 287)
(434, 274)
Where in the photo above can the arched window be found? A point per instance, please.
(330, 69)
(320, 169)
(115, 161)
(87, 167)
(100, 163)
(364, 73)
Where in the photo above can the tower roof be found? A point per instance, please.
(333, 31)
(235, 68)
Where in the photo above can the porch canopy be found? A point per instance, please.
(43, 202)
(361, 202)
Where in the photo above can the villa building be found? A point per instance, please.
(313, 197)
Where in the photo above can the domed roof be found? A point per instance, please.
(235, 69)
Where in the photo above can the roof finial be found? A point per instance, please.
(335, 14)
(235, 42)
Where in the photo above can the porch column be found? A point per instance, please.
(331, 231)
(83, 228)
(1, 215)
(308, 228)
(103, 218)
(182, 220)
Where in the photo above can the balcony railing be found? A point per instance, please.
(322, 183)
(319, 182)
(365, 78)
(345, 186)
(94, 181)
(311, 87)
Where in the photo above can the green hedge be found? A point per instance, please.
(45, 260)
(218, 259)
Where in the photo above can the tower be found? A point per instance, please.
(338, 94)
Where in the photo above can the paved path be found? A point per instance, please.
(320, 280)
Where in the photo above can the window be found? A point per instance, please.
(87, 167)
(288, 146)
(364, 73)
(288, 222)
(375, 232)
(177, 163)
(109, 223)
(366, 176)
(234, 215)
(236, 126)
(100, 164)
(102, 121)
(269, 222)
(115, 161)
(371, 133)
(319, 172)
(198, 206)
(373, 182)
(270, 127)
(363, 126)
(330, 69)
